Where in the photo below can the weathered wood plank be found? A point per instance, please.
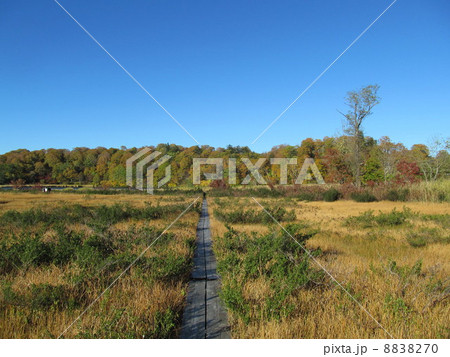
(199, 271)
(193, 324)
(204, 315)
(216, 314)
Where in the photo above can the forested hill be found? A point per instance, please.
(382, 161)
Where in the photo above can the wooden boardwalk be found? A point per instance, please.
(204, 315)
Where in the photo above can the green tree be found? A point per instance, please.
(360, 105)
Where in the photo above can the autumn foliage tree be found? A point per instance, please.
(381, 162)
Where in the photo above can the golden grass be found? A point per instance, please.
(358, 258)
(130, 306)
(21, 201)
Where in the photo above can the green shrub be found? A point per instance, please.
(9, 258)
(41, 297)
(416, 240)
(167, 267)
(101, 243)
(440, 219)
(164, 324)
(112, 214)
(46, 296)
(65, 249)
(397, 195)
(274, 256)
(32, 251)
(331, 195)
(363, 197)
(397, 306)
(10, 297)
(300, 232)
(276, 306)
(423, 236)
(305, 196)
(393, 218)
(89, 258)
(100, 217)
(232, 296)
(250, 216)
(238, 216)
(405, 272)
(369, 219)
(280, 214)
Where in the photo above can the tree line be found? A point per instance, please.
(350, 158)
(382, 161)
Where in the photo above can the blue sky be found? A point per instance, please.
(224, 69)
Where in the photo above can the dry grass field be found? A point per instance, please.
(393, 257)
(59, 251)
(22, 201)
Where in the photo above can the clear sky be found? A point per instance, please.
(224, 69)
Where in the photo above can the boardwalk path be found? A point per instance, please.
(204, 315)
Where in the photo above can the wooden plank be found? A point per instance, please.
(199, 271)
(193, 324)
(204, 315)
(211, 266)
(216, 314)
(210, 258)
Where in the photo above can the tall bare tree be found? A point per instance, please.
(360, 105)
(389, 155)
(435, 161)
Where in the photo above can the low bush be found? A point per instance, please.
(369, 219)
(238, 216)
(41, 297)
(10, 297)
(277, 258)
(250, 216)
(363, 197)
(280, 214)
(305, 196)
(423, 236)
(65, 249)
(440, 219)
(393, 218)
(97, 217)
(331, 195)
(31, 251)
(164, 324)
(416, 240)
(397, 195)
(396, 306)
(164, 267)
(45, 296)
(233, 297)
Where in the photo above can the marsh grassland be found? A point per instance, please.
(60, 251)
(392, 257)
